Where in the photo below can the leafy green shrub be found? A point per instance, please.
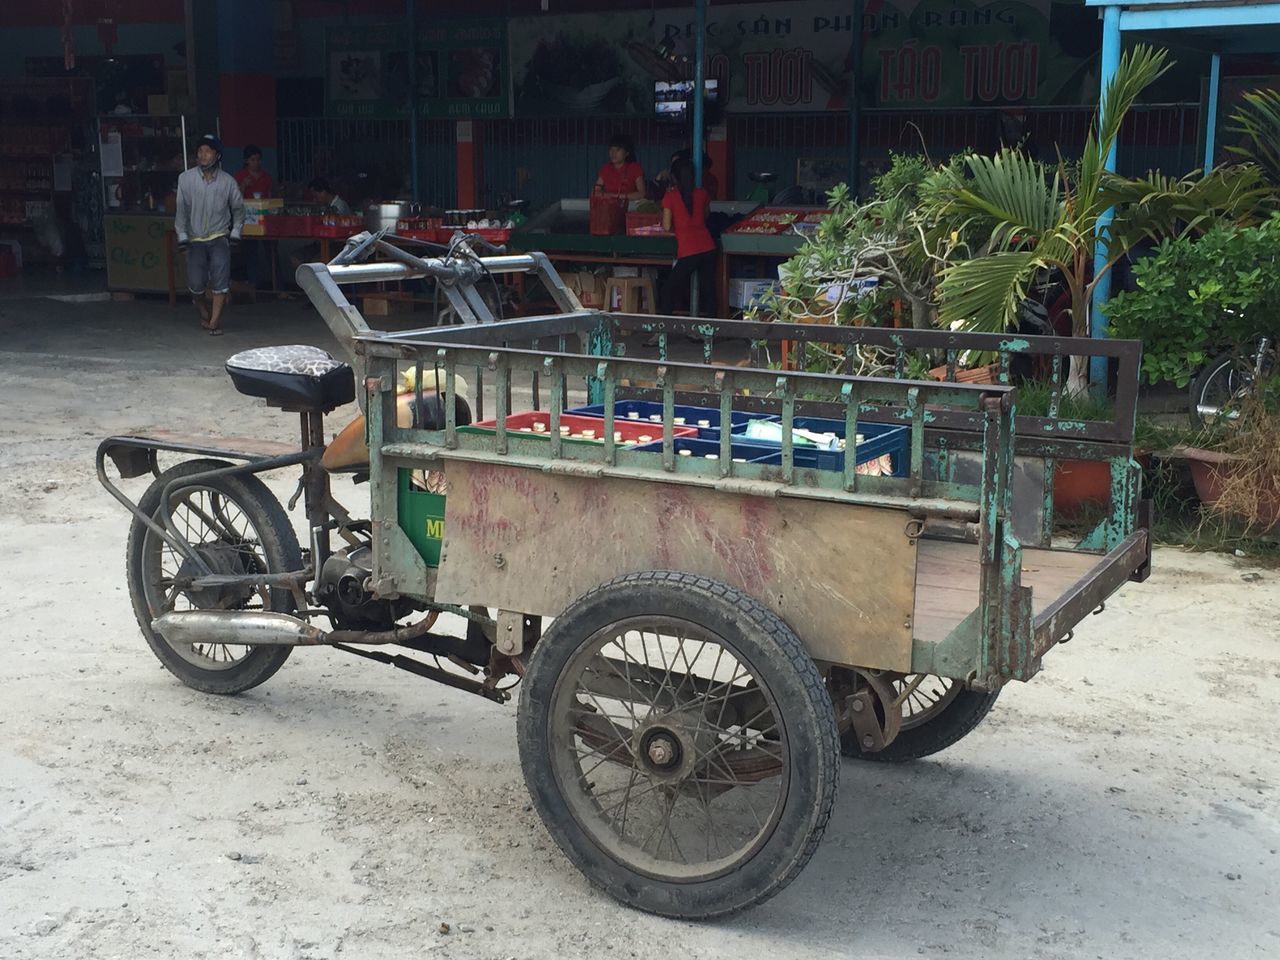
(1197, 297)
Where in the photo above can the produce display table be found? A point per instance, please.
(562, 232)
(768, 235)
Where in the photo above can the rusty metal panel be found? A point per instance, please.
(841, 575)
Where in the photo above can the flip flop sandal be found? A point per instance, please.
(215, 331)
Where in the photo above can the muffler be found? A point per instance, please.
(256, 628)
(266, 628)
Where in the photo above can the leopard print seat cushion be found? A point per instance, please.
(296, 359)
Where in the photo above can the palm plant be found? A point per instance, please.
(1257, 122)
(1156, 207)
(1030, 219)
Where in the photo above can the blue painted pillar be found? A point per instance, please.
(411, 17)
(699, 81)
(1211, 116)
(855, 107)
(1102, 290)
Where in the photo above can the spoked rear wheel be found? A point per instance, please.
(936, 712)
(679, 744)
(237, 527)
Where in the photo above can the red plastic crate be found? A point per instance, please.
(494, 235)
(331, 230)
(645, 225)
(630, 431)
(331, 225)
(286, 225)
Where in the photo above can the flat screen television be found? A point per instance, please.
(672, 99)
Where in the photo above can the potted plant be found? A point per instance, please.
(877, 243)
(1235, 464)
(1078, 485)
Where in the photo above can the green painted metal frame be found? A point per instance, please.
(1000, 641)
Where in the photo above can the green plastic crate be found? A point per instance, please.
(421, 516)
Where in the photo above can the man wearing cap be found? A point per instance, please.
(210, 216)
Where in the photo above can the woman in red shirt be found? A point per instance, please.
(684, 212)
(255, 183)
(621, 176)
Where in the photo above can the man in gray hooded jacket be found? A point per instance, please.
(209, 219)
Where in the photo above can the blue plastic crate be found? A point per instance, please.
(878, 439)
(649, 408)
(699, 448)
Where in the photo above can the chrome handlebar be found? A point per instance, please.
(457, 275)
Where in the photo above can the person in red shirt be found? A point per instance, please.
(684, 213)
(621, 176)
(709, 181)
(255, 183)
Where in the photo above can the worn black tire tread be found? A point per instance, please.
(262, 662)
(1198, 384)
(957, 720)
(797, 657)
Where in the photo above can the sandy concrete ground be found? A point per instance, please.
(1123, 804)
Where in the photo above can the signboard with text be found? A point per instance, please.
(459, 70)
(800, 56)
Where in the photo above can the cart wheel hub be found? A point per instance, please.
(663, 751)
(222, 559)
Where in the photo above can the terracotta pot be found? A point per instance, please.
(1209, 471)
(985, 374)
(1078, 484)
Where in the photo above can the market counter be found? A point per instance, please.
(562, 231)
(139, 251)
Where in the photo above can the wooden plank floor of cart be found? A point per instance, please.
(947, 582)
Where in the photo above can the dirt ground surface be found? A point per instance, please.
(1123, 804)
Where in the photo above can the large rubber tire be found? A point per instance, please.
(779, 662)
(1234, 372)
(279, 546)
(953, 721)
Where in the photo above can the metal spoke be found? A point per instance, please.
(688, 670)
(631, 796)
(675, 798)
(205, 519)
(643, 682)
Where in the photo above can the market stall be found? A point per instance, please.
(563, 232)
(754, 246)
(45, 131)
(140, 160)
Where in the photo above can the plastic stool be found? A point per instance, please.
(631, 291)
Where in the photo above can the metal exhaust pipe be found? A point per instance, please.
(256, 628)
(266, 628)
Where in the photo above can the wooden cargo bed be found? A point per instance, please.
(947, 582)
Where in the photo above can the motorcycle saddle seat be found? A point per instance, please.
(294, 377)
